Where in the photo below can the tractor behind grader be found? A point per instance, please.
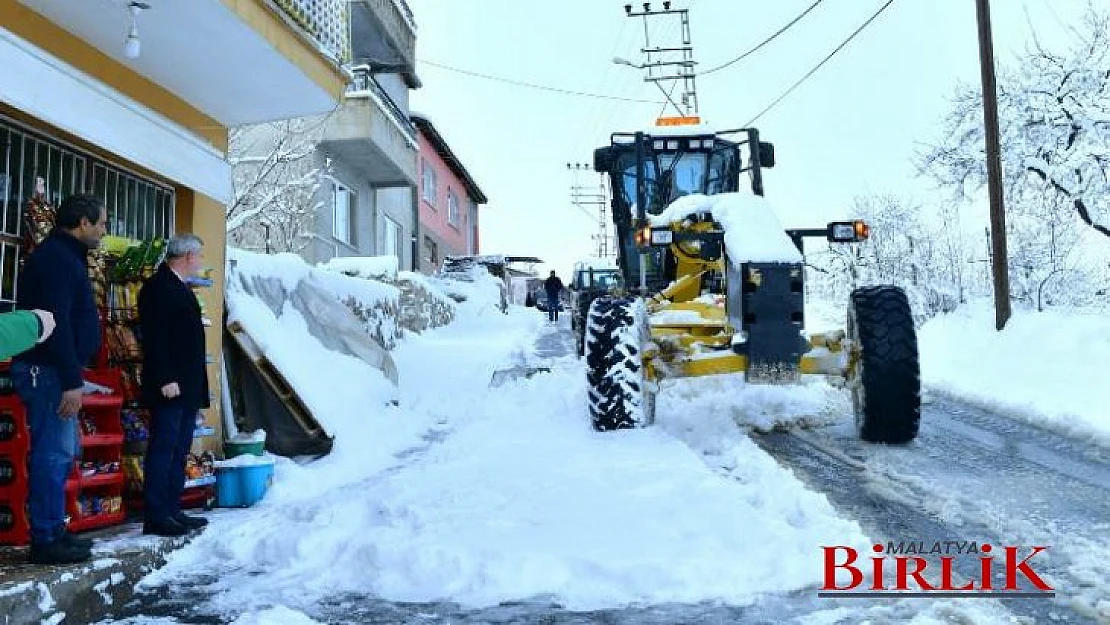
(712, 284)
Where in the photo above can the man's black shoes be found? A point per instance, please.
(58, 552)
(165, 527)
(76, 541)
(190, 522)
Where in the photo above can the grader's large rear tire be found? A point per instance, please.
(620, 396)
(886, 379)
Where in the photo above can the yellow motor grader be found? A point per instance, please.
(709, 288)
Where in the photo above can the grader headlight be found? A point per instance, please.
(862, 229)
(662, 237)
(848, 231)
(653, 237)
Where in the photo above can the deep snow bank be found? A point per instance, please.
(1047, 368)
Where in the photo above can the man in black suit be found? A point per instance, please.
(175, 382)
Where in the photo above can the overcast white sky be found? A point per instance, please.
(850, 129)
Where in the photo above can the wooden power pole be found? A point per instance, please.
(1000, 264)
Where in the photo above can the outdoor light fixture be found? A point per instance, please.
(666, 6)
(628, 8)
(132, 46)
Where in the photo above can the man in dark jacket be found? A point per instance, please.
(553, 286)
(175, 383)
(49, 377)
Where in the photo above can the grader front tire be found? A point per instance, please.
(886, 383)
(616, 331)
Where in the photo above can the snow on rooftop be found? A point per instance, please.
(753, 232)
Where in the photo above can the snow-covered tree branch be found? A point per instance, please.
(277, 175)
(1054, 110)
(928, 259)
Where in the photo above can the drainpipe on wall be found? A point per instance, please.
(415, 229)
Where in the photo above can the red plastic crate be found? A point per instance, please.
(13, 474)
(198, 497)
(84, 524)
(14, 526)
(14, 436)
(86, 482)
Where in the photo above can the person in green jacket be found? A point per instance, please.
(23, 329)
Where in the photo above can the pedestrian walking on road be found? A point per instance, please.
(553, 286)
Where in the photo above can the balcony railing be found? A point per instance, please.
(364, 84)
(407, 12)
(324, 20)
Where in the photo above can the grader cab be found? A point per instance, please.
(714, 285)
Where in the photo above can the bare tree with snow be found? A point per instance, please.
(1054, 110)
(926, 258)
(277, 175)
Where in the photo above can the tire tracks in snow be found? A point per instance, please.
(974, 475)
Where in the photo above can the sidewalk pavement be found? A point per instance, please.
(80, 593)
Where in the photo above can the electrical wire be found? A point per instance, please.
(597, 108)
(520, 83)
(819, 65)
(762, 43)
(612, 113)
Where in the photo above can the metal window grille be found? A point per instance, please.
(137, 206)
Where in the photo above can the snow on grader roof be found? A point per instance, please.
(753, 232)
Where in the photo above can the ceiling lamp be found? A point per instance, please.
(132, 46)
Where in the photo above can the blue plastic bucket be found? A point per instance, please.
(255, 480)
(229, 491)
(242, 486)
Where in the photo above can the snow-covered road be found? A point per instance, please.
(473, 502)
(975, 476)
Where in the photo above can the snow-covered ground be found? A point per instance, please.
(479, 495)
(1046, 367)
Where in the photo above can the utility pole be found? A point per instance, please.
(999, 257)
(588, 200)
(671, 63)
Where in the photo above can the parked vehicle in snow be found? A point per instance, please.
(593, 278)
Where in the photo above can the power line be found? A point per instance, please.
(536, 86)
(762, 43)
(818, 66)
(597, 108)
